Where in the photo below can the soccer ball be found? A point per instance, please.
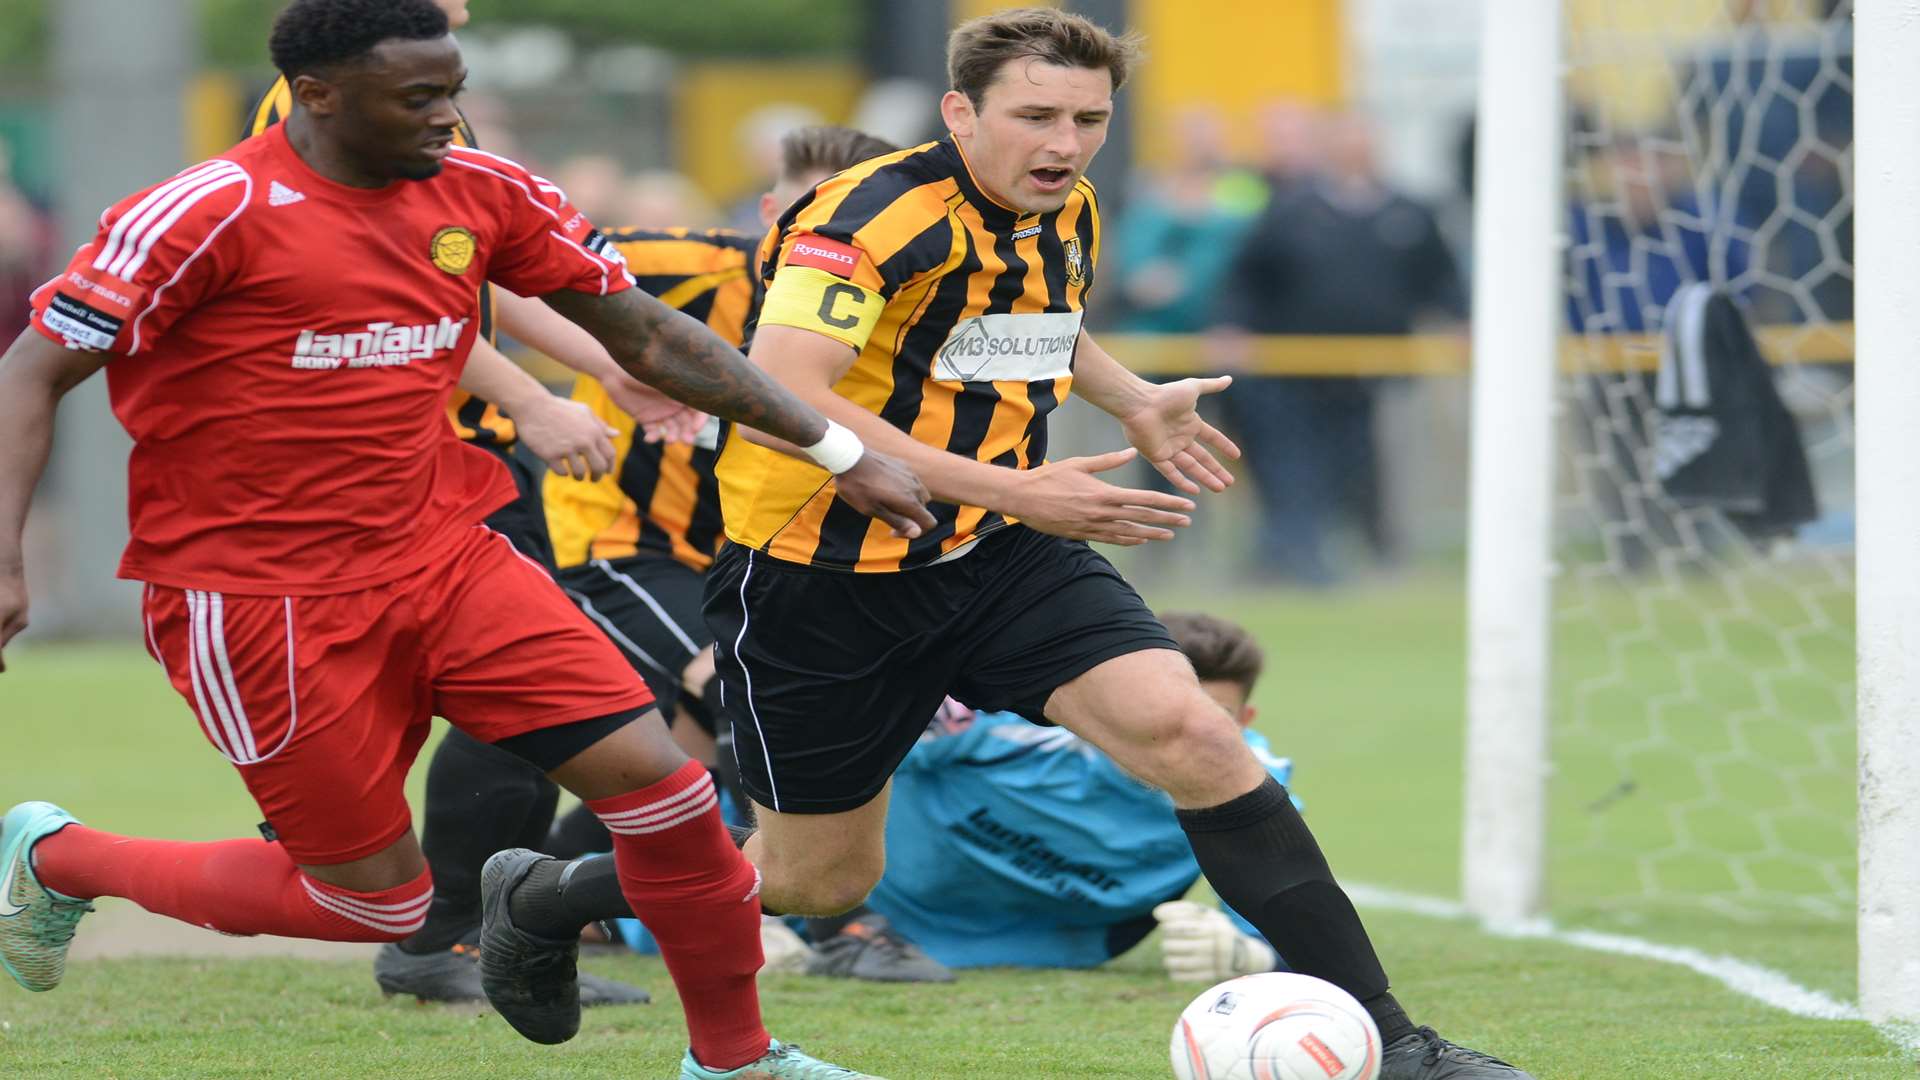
(1275, 1026)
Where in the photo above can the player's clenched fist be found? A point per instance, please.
(884, 487)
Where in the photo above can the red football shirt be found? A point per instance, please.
(286, 347)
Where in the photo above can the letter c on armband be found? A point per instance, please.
(831, 296)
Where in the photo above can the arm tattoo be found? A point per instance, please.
(679, 356)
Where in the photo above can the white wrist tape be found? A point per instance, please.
(838, 450)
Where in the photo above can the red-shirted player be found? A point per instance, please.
(307, 525)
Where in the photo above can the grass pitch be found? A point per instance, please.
(1364, 690)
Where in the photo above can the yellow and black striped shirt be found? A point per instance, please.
(473, 419)
(965, 315)
(662, 498)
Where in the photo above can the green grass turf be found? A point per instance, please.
(1364, 689)
(1563, 1013)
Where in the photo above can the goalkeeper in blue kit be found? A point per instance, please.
(1013, 844)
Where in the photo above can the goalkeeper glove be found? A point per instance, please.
(1200, 944)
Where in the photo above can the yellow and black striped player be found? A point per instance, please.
(919, 302)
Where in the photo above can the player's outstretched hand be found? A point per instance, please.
(1169, 433)
(13, 609)
(659, 417)
(1066, 498)
(886, 488)
(567, 436)
(1200, 944)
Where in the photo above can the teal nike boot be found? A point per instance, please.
(784, 1061)
(36, 923)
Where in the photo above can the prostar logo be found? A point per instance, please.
(381, 344)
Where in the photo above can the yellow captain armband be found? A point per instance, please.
(824, 303)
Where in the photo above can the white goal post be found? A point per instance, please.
(1516, 259)
(1887, 427)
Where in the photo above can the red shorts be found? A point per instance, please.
(322, 702)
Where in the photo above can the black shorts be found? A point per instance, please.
(649, 606)
(524, 520)
(830, 677)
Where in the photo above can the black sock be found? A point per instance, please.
(1262, 860)
(579, 833)
(556, 899)
(480, 799)
(1389, 1017)
(821, 928)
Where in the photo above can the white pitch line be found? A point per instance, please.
(1762, 984)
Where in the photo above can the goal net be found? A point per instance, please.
(1702, 693)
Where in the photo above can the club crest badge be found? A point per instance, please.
(1076, 269)
(452, 250)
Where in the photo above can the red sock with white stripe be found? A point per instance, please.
(233, 886)
(700, 898)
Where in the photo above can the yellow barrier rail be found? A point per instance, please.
(1382, 355)
(1362, 355)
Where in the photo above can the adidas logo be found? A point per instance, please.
(279, 194)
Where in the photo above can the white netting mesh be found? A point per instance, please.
(1703, 739)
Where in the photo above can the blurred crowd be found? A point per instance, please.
(1306, 238)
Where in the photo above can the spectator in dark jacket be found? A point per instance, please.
(1337, 253)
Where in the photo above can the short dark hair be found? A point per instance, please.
(314, 34)
(1220, 651)
(978, 48)
(828, 149)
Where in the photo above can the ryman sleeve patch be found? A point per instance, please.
(821, 253)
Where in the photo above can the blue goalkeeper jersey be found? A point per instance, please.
(1014, 844)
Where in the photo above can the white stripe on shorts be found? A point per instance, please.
(206, 685)
(659, 611)
(613, 632)
(766, 751)
(218, 624)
